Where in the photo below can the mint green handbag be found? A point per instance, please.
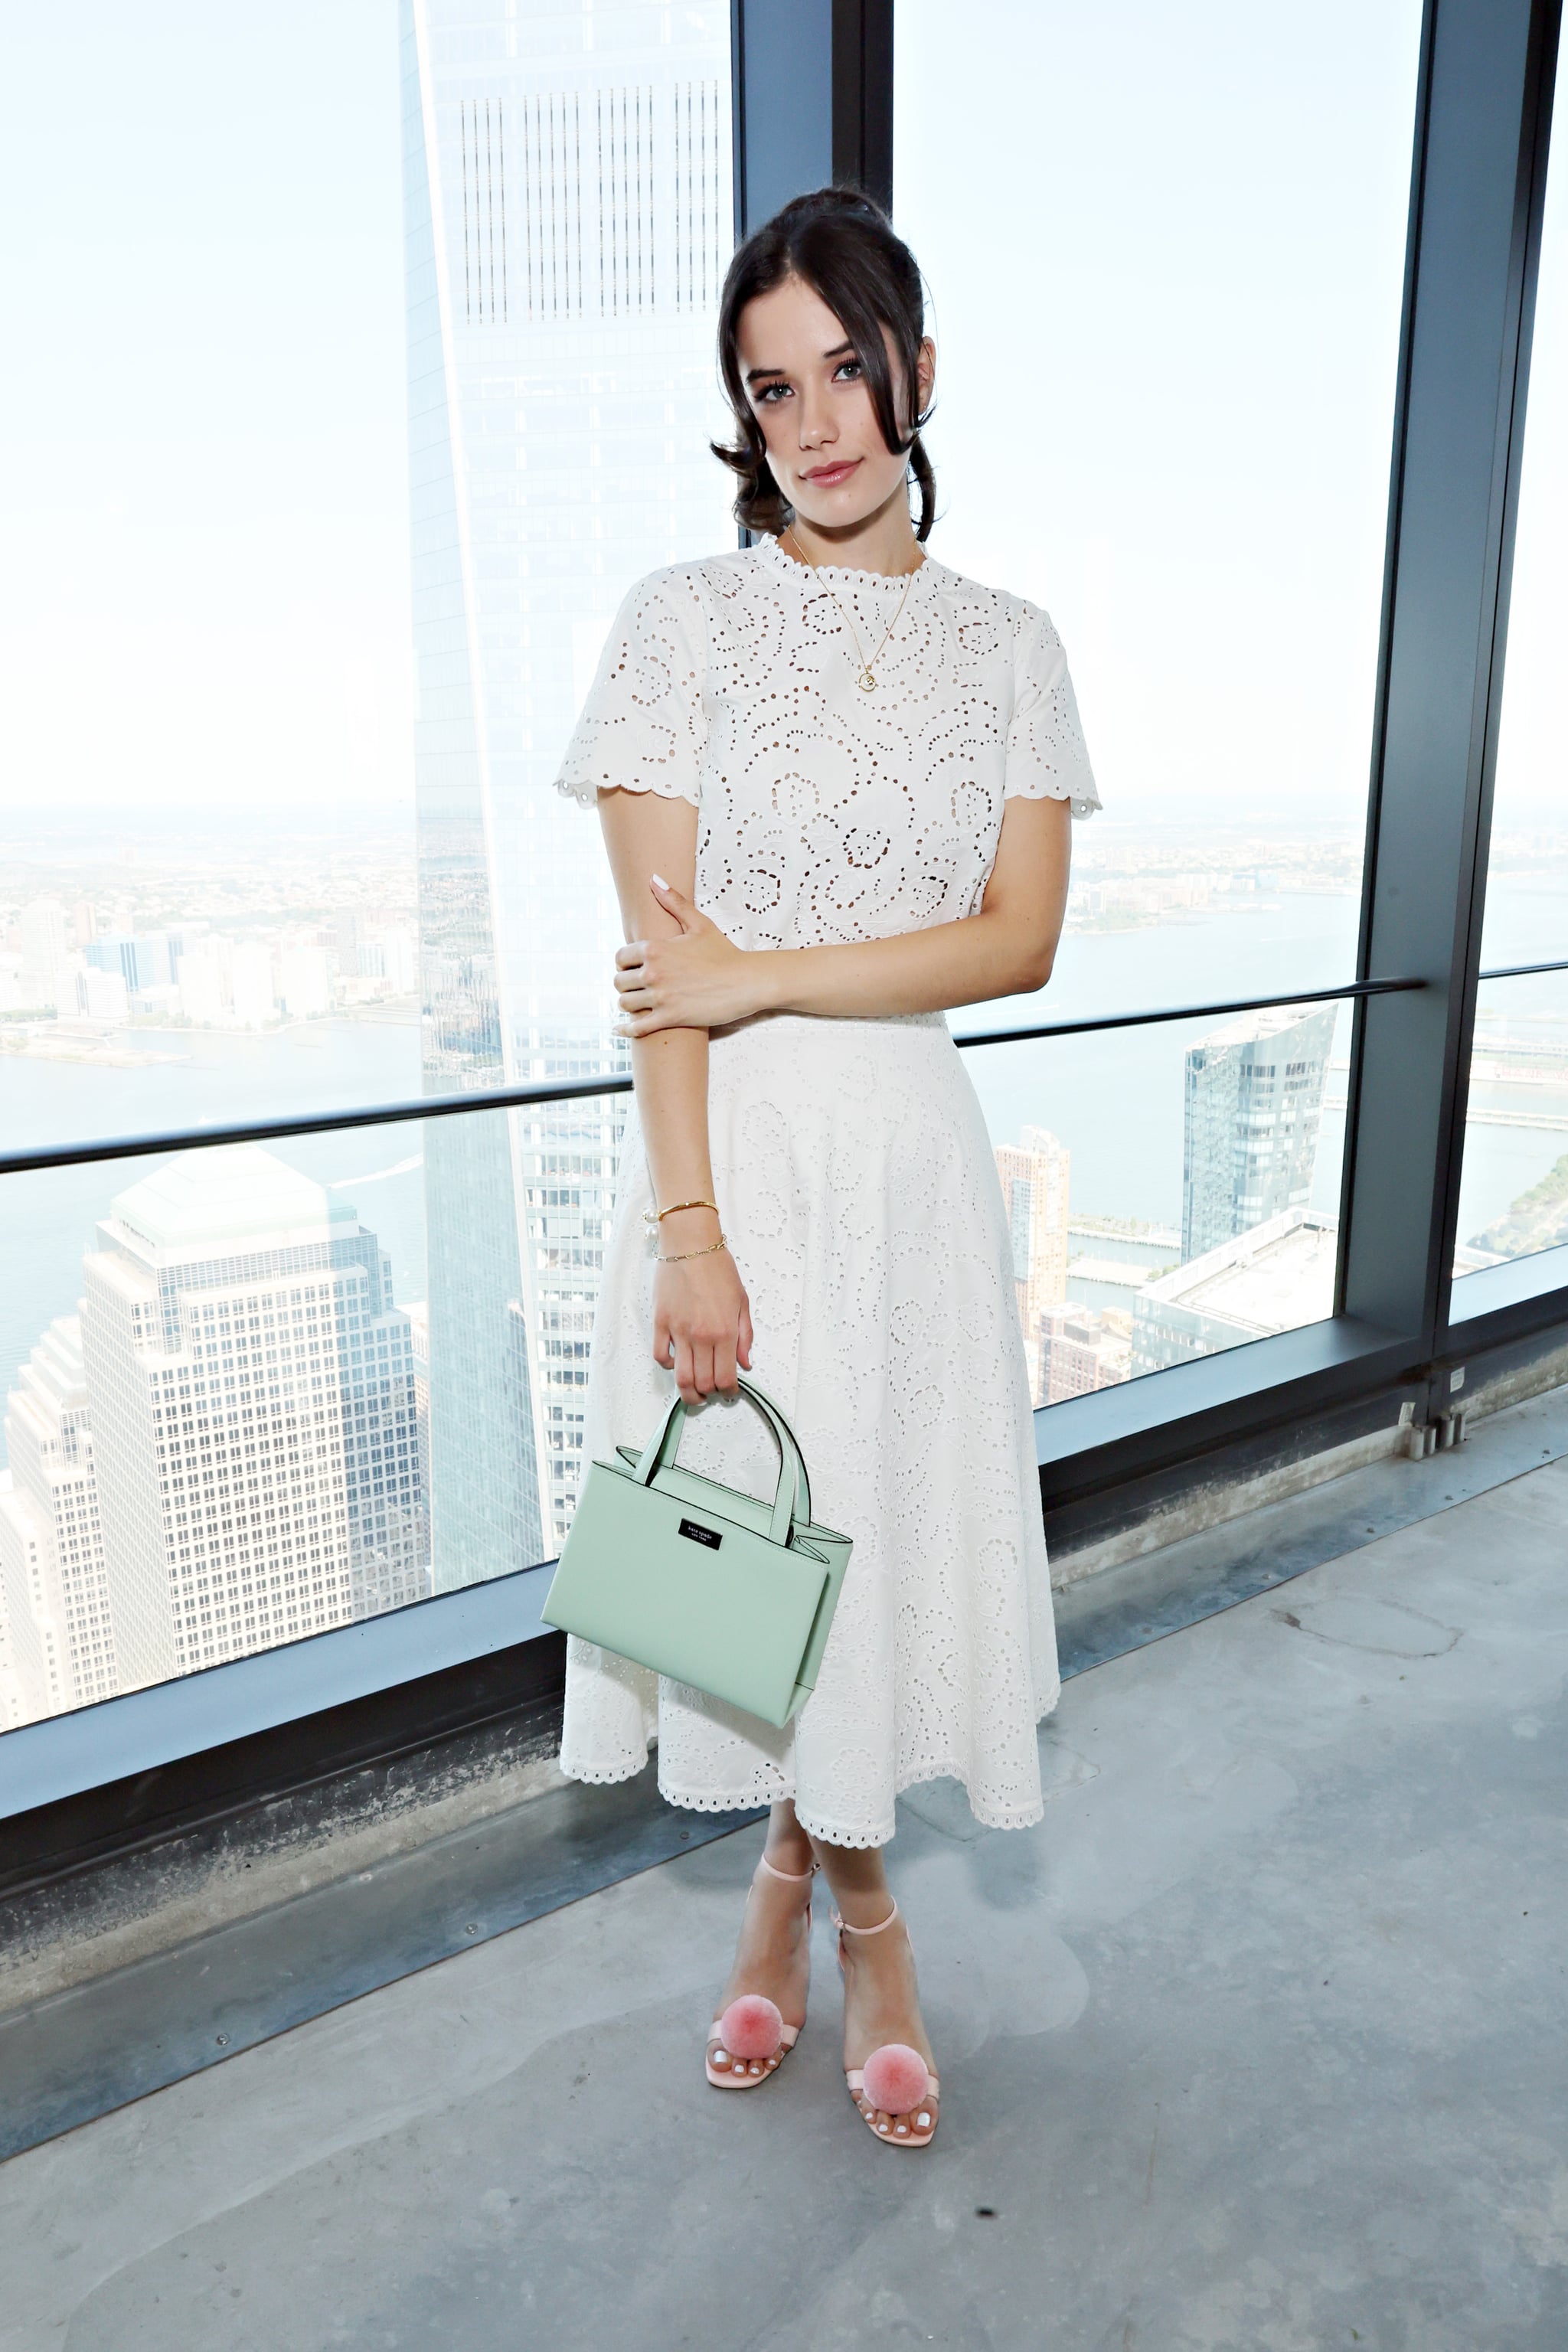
(713, 1587)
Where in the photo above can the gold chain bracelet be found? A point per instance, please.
(722, 1243)
(656, 1217)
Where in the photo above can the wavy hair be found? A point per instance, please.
(841, 245)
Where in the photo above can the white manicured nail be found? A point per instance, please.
(924, 2122)
(659, 882)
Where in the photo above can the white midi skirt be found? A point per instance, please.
(856, 1181)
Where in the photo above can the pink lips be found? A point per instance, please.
(827, 477)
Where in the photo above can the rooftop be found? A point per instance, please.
(234, 1192)
(1275, 1277)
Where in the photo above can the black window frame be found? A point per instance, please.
(813, 98)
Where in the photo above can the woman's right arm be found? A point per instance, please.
(701, 1317)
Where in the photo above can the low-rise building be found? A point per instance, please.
(1275, 1277)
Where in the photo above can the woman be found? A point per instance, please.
(833, 779)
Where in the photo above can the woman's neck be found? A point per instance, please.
(884, 540)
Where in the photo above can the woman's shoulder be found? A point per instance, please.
(699, 583)
(999, 615)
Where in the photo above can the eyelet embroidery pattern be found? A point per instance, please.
(829, 814)
(853, 1158)
(857, 1176)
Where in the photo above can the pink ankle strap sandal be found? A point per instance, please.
(750, 2040)
(895, 2079)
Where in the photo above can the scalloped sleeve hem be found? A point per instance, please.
(1047, 758)
(644, 727)
(585, 790)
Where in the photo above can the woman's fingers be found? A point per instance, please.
(744, 1337)
(677, 902)
(724, 1367)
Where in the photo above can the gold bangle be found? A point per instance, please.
(722, 1243)
(656, 1217)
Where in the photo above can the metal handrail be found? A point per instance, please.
(270, 1130)
(1521, 971)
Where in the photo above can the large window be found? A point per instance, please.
(1166, 306)
(1514, 1199)
(323, 491)
(359, 362)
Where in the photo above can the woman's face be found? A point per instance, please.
(809, 395)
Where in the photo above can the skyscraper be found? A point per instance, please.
(56, 1590)
(1035, 1174)
(251, 1389)
(567, 177)
(1254, 1100)
(49, 961)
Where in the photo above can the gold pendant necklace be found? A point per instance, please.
(867, 681)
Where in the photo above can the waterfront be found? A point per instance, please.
(1114, 1099)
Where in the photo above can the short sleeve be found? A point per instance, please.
(643, 727)
(1047, 756)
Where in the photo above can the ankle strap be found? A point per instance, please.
(846, 1930)
(790, 1877)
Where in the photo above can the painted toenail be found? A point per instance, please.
(721, 2058)
(924, 2122)
(902, 2129)
(881, 2128)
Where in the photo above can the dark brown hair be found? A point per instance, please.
(843, 246)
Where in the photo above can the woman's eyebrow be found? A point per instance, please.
(839, 351)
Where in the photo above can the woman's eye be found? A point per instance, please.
(848, 369)
(771, 395)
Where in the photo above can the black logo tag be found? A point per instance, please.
(709, 1536)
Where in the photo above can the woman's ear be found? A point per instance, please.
(925, 374)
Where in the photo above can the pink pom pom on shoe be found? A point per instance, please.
(751, 2027)
(896, 2078)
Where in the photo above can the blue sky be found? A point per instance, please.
(1165, 248)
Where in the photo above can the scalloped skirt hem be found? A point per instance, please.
(831, 1831)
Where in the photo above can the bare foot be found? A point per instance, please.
(772, 1957)
(882, 2004)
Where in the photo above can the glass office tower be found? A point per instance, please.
(569, 219)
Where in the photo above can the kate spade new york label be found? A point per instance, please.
(709, 1536)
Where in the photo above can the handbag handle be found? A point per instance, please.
(792, 1501)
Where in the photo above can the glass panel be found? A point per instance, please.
(1514, 1200)
(1527, 887)
(1171, 1191)
(1166, 315)
(298, 846)
(207, 885)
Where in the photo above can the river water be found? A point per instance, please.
(1114, 1099)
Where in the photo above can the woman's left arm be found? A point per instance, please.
(700, 979)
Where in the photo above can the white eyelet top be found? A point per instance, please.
(830, 814)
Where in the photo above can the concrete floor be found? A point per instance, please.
(1255, 2045)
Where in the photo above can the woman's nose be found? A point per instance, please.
(817, 424)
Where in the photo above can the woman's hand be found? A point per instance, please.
(696, 979)
(701, 1317)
